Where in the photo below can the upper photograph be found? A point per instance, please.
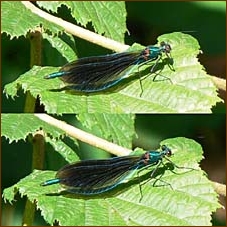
(113, 57)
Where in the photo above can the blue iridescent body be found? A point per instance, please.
(91, 177)
(98, 73)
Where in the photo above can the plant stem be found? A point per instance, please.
(37, 163)
(35, 56)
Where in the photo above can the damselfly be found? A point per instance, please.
(99, 73)
(90, 177)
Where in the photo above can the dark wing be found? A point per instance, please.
(96, 176)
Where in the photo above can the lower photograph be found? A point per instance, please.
(113, 169)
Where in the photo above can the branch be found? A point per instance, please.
(219, 82)
(219, 188)
(78, 31)
(84, 136)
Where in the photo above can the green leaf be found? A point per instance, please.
(17, 20)
(64, 149)
(188, 89)
(62, 46)
(211, 5)
(18, 126)
(190, 200)
(108, 18)
(118, 128)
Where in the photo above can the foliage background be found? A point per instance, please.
(208, 130)
(145, 21)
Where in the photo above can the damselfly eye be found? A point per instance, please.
(169, 153)
(168, 48)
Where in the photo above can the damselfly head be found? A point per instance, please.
(167, 150)
(166, 47)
